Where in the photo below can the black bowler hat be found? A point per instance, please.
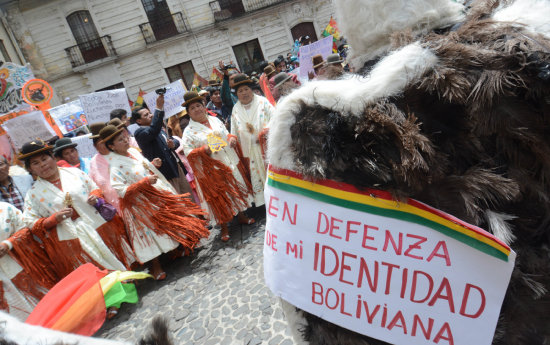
(62, 144)
(241, 80)
(33, 148)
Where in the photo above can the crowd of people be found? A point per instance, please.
(155, 187)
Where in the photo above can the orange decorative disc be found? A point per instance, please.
(36, 92)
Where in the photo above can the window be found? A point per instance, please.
(160, 18)
(184, 71)
(86, 36)
(249, 56)
(304, 29)
(4, 51)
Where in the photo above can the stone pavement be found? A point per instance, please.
(215, 296)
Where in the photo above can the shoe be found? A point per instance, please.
(160, 276)
(225, 238)
(247, 221)
(112, 312)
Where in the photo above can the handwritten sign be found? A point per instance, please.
(404, 273)
(69, 116)
(85, 146)
(27, 127)
(98, 105)
(173, 98)
(322, 46)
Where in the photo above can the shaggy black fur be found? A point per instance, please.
(471, 136)
(159, 333)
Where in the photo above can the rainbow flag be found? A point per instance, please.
(381, 203)
(77, 303)
(199, 81)
(332, 29)
(139, 101)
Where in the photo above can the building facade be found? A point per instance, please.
(82, 46)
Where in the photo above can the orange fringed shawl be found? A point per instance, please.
(221, 191)
(176, 216)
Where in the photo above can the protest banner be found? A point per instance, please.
(173, 98)
(98, 105)
(27, 127)
(401, 272)
(69, 117)
(85, 146)
(12, 79)
(322, 46)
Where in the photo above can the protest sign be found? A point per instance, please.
(173, 98)
(13, 77)
(27, 127)
(322, 46)
(69, 117)
(98, 105)
(404, 273)
(85, 146)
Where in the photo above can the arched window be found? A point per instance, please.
(304, 29)
(86, 36)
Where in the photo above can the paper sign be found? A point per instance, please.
(69, 117)
(28, 127)
(12, 79)
(85, 146)
(98, 105)
(173, 98)
(404, 273)
(322, 46)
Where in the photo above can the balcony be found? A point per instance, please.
(227, 9)
(163, 28)
(90, 51)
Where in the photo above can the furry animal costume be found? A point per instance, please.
(451, 109)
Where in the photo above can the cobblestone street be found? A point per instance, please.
(215, 296)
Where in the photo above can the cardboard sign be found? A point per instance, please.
(322, 46)
(27, 127)
(404, 273)
(85, 146)
(98, 105)
(173, 98)
(69, 117)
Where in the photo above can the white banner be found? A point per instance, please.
(69, 116)
(98, 105)
(173, 98)
(28, 127)
(401, 273)
(85, 146)
(322, 46)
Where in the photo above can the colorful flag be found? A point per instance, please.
(216, 75)
(332, 29)
(199, 81)
(139, 101)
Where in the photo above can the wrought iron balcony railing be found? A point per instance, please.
(163, 28)
(90, 51)
(227, 9)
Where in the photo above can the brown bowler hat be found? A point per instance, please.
(269, 71)
(317, 61)
(109, 132)
(117, 123)
(95, 128)
(191, 97)
(33, 148)
(241, 80)
(213, 82)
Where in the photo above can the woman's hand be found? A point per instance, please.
(157, 162)
(92, 200)
(232, 142)
(63, 214)
(4, 249)
(152, 179)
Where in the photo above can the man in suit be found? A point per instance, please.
(155, 143)
(13, 188)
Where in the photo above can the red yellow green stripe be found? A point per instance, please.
(381, 203)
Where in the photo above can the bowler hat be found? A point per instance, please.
(62, 144)
(117, 123)
(334, 59)
(269, 71)
(213, 82)
(33, 148)
(317, 61)
(191, 97)
(281, 78)
(108, 132)
(95, 128)
(241, 80)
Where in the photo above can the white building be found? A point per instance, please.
(81, 46)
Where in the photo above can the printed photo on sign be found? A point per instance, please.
(404, 273)
(69, 117)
